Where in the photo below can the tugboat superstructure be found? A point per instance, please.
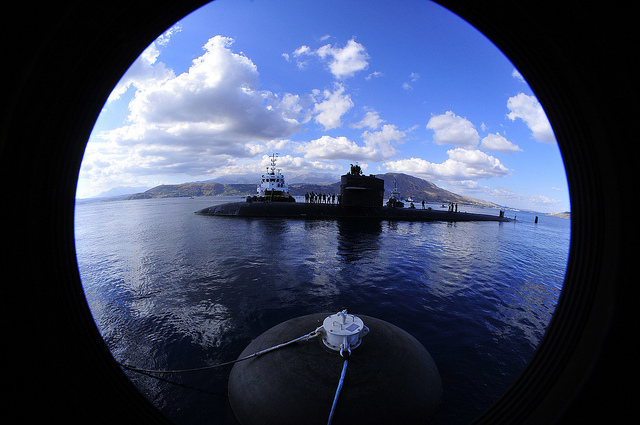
(272, 187)
(394, 199)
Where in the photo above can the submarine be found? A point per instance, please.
(361, 197)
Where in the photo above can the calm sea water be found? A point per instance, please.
(170, 289)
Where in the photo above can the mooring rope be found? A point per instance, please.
(306, 337)
(335, 399)
(256, 354)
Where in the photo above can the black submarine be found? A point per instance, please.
(361, 197)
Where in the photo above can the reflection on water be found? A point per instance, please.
(358, 241)
(170, 289)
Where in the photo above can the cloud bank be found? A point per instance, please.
(378, 146)
(215, 119)
(466, 161)
(463, 164)
(197, 121)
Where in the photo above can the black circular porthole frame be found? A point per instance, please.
(61, 62)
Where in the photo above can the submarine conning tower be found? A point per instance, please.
(358, 190)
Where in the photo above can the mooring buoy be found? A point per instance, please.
(390, 378)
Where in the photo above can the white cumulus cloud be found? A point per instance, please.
(498, 143)
(463, 164)
(528, 109)
(371, 120)
(219, 94)
(346, 61)
(289, 163)
(378, 146)
(343, 62)
(330, 111)
(381, 143)
(451, 129)
(196, 121)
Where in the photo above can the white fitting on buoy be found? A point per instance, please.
(343, 331)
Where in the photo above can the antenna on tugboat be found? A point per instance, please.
(273, 162)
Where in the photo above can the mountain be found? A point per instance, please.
(566, 214)
(418, 189)
(196, 189)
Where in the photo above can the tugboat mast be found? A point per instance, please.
(273, 164)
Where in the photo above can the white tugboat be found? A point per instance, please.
(394, 198)
(272, 187)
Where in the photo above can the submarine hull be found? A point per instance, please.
(329, 211)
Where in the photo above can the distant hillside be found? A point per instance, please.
(566, 214)
(418, 189)
(196, 189)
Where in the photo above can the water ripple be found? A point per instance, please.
(171, 289)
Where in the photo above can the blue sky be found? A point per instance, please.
(396, 87)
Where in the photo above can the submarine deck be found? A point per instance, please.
(330, 211)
